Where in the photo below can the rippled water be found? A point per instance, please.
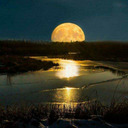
(71, 82)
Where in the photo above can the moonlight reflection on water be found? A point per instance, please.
(63, 84)
(69, 69)
(66, 95)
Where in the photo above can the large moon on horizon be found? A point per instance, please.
(68, 32)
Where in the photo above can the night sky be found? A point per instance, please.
(36, 19)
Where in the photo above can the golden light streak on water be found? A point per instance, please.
(69, 69)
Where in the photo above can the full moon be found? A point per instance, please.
(67, 32)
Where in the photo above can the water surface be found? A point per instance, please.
(71, 82)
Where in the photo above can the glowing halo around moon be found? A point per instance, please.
(68, 32)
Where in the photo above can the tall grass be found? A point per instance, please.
(114, 113)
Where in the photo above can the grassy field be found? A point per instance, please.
(110, 51)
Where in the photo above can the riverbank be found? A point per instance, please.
(19, 64)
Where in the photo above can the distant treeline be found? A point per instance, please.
(116, 51)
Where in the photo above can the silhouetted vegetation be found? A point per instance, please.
(114, 113)
(19, 64)
(113, 51)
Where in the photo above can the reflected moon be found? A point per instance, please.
(69, 69)
(68, 32)
(66, 95)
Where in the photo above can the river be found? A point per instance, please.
(71, 82)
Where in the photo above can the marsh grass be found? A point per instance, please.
(117, 113)
(114, 113)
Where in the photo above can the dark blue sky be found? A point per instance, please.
(36, 19)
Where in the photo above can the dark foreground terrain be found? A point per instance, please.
(103, 51)
(46, 115)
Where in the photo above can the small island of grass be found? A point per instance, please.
(20, 64)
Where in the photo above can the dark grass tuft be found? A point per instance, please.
(115, 113)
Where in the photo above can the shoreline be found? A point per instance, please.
(115, 65)
(19, 64)
(123, 66)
